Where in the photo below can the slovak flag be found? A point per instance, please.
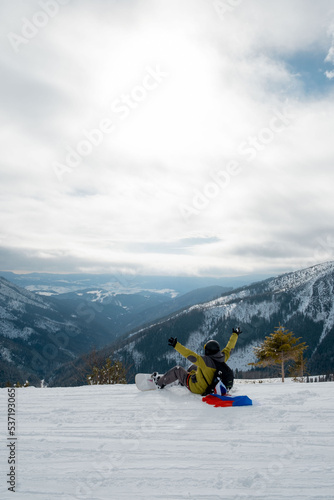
(226, 400)
(220, 389)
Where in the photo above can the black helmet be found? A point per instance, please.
(211, 347)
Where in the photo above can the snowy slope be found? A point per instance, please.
(116, 443)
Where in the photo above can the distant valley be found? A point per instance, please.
(39, 333)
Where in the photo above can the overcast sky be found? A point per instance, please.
(181, 137)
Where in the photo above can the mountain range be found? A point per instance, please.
(302, 301)
(54, 284)
(39, 333)
(49, 337)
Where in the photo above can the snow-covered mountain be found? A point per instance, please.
(39, 333)
(36, 334)
(302, 301)
(43, 336)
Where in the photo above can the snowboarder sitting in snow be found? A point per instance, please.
(201, 373)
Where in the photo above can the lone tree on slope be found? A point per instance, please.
(279, 347)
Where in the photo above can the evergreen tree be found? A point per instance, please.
(278, 348)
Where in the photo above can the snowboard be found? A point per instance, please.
(144, 382)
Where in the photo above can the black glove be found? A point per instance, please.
(237, 330)
(172, 341)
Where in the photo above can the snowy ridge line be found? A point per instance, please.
(243, 311)
(233, 305)
(286, 282)
(296, 278)
(9, 291)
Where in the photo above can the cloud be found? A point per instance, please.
(228, 146)
(329, 74)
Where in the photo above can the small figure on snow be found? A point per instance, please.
(201, 374)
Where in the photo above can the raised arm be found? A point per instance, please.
(192, 356)
(231, 343)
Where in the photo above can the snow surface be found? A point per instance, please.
(114, 443)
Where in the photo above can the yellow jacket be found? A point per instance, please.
(203, 375)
